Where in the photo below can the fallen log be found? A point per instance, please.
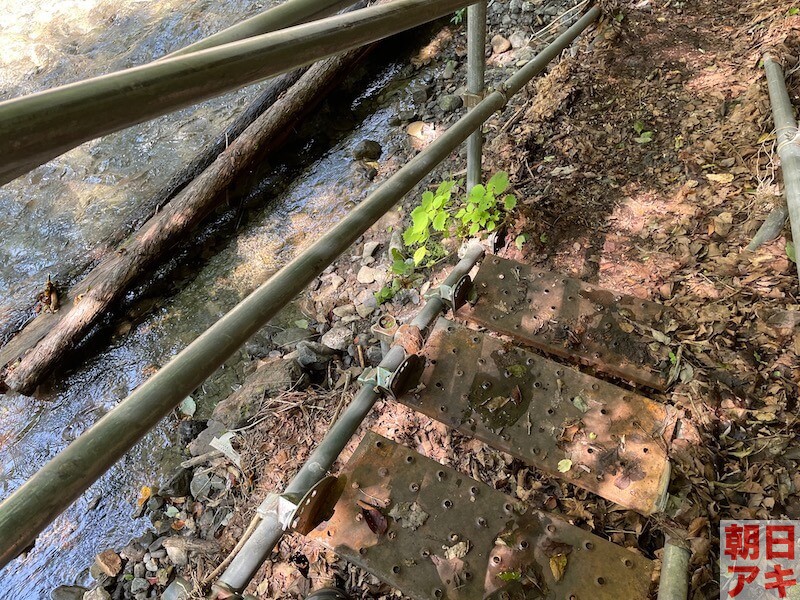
(50, 337)
(19, 308)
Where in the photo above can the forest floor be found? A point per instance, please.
(644, 162)
(666, 219)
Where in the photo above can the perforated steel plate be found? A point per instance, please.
(569, 318)
(432, 532)
(544, 413)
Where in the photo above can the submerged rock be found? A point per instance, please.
(68, 592)
(367, 150)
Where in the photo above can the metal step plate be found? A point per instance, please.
(593, 434)
(432, 532)
(573, 319)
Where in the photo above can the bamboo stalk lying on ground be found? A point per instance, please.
(107, 282)
(19, 308)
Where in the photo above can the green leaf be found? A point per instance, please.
(791, 253)
(474, 228)
(476, 193)
(638, 127)
(490, 226)
(427, 199)
(419, 255)
(645, 138)
(520, 241)
(445, 187)
(385, 294)
(302, 323)
(460, 213)
(440, 220)
(498, 183)
(564, 465)
(509, 202)
(793, 11)
(510, 575)
(410, 237)
(544, 238)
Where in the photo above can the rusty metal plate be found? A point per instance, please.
(544, 413)
(611, 332)
(432, 532)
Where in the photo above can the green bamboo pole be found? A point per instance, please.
(291, 12)
(36, 128)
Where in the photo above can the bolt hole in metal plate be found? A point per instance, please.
(572, 319)
(482, 547)
(614, 441)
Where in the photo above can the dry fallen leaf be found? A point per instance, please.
(720, 177)
(558, 565)
(144, 495)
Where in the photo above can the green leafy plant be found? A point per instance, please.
(432, 213)
(484, 208)
(439, 215)
(458, 16)
(644, 137)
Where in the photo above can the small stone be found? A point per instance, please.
(374, 355)
(518, 39)
(450, 69)
(180, 589)
(344, 311)
(364, 311)
(367, 150)
(313, 355)
(288, 338)
(177, 485)
(151, 565)
(201, 485)
(338, 338)
(369, 249)
(139, 585)
(110, 562)
(139, 570)
(163, 575)
(133, 552)
(450, 102)
(406, 116)
(500, 44)
(201, 444)
(97, 593)
(419, 94)
(366, 275)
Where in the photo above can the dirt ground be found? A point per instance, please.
(664, 215)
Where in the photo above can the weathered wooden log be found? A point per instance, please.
(107, 282)
(19, 307)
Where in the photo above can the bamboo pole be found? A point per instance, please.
(36, 128)
(788, 141)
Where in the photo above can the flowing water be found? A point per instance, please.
(64, 209)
